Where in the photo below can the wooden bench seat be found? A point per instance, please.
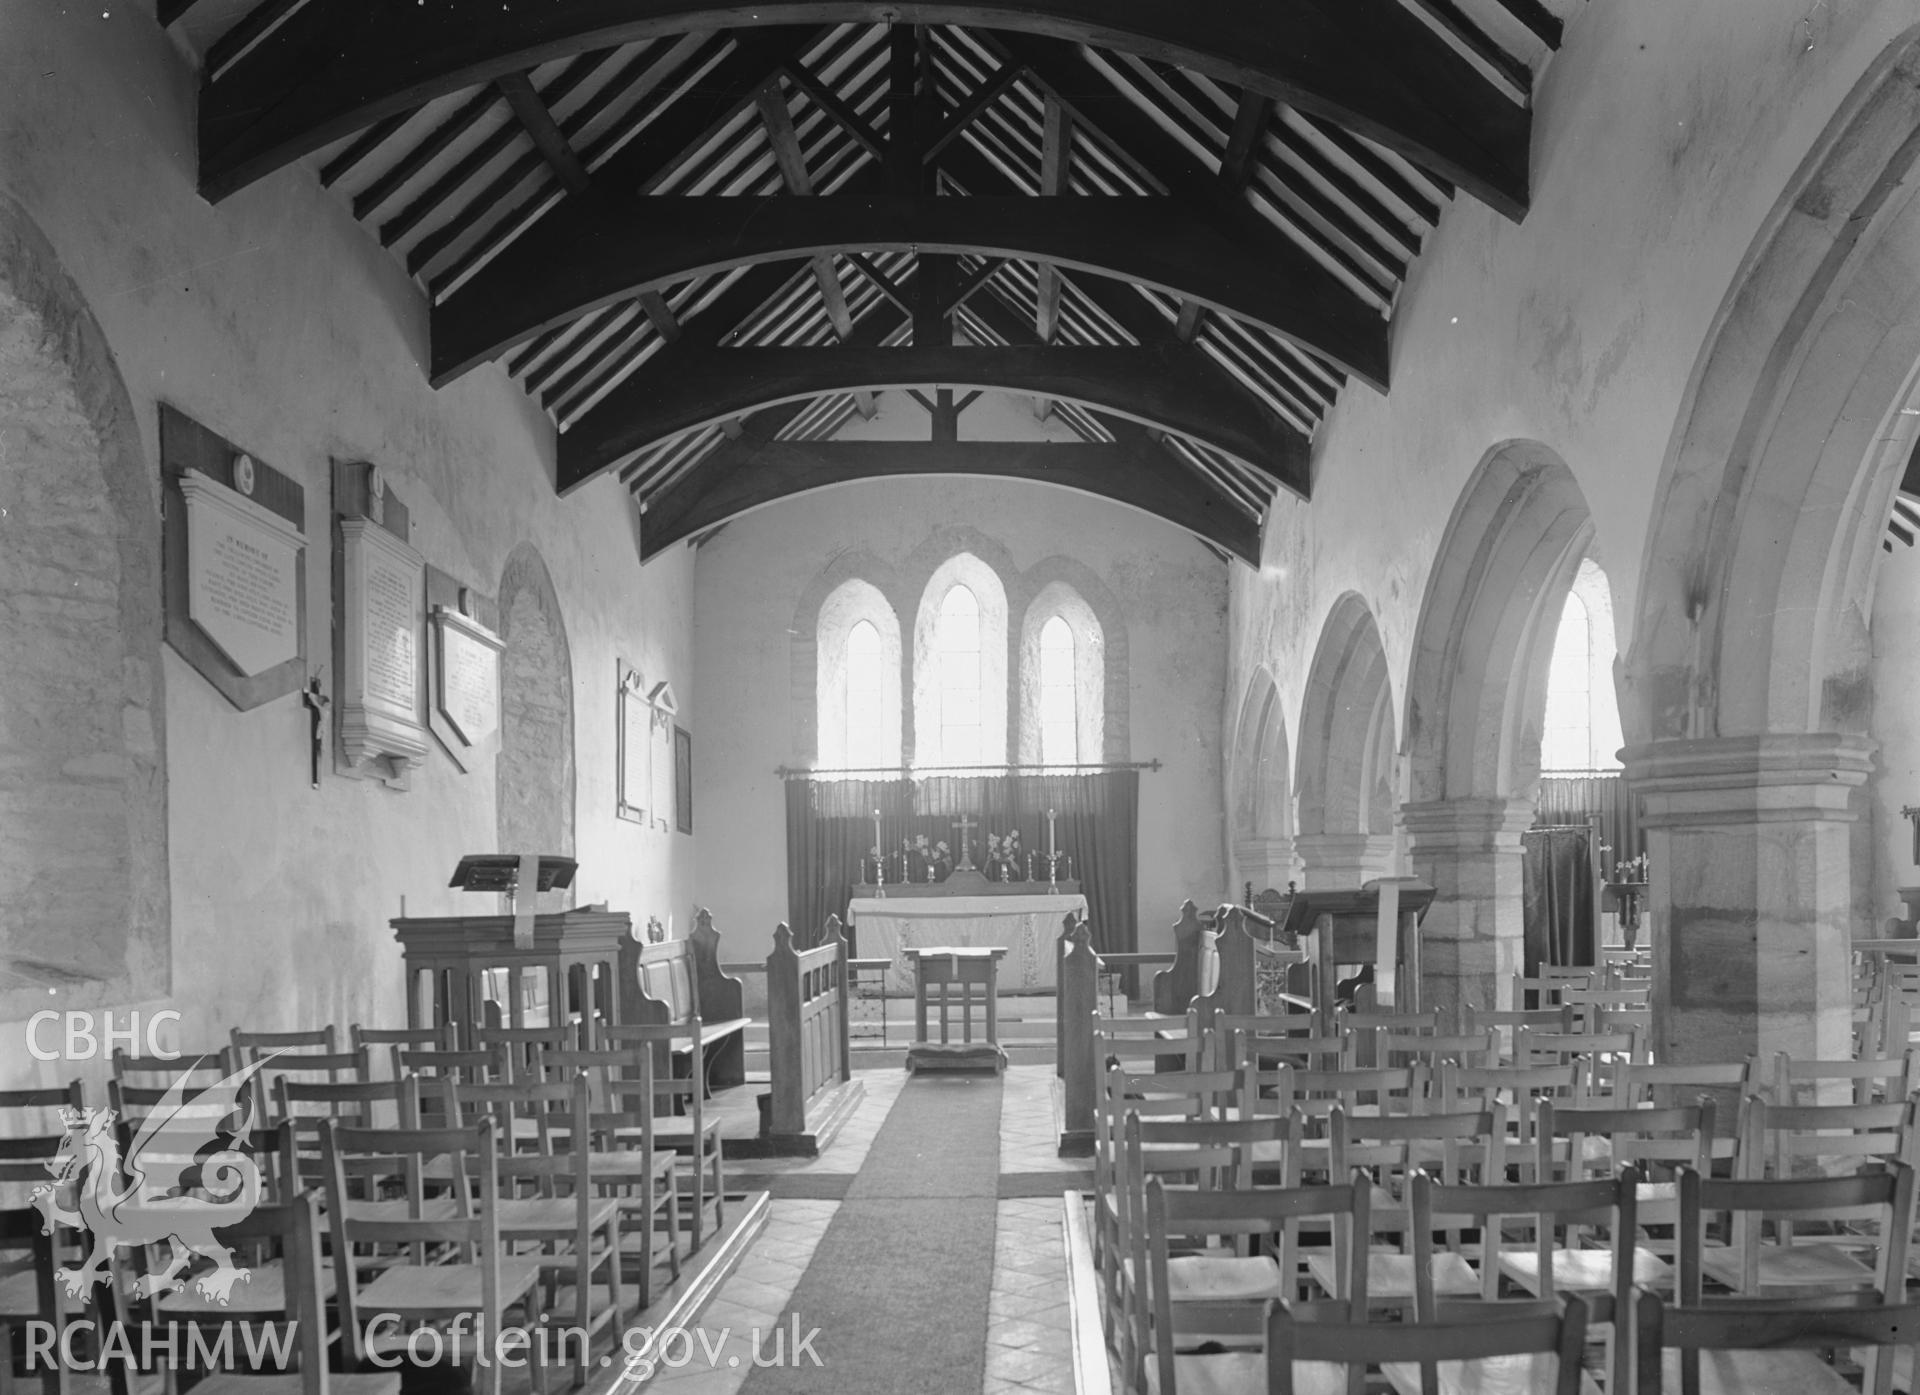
(675, 982)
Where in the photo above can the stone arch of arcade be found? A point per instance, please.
(1347, 763)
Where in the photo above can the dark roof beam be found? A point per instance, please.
(564, 266)
(1370, 64)
(747, 473)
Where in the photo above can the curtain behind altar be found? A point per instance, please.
(1556, 898)
(1096, 824)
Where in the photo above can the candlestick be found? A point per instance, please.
(1049, 833)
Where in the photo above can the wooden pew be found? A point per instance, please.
(809, 1057)
(674, 982)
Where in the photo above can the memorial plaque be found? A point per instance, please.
(635, 728)
(383, 595)
(469, 675)
(243, 566)
(388, 619)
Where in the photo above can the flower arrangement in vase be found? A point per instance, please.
(1003, 856)
(937, 858)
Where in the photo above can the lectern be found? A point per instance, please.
(1377, 924)
(944, 968)
(453, 961)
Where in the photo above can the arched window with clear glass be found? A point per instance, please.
(866, 699)
(960, 667)
(956, 642)
(1063, 680)
(857, 692)
(1059, 736)
(1582, 727)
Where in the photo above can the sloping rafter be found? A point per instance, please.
(1370, 65)
(567, 265)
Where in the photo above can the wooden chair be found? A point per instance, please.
(516, 1050)
(1518, 1089)
(1473, 1351)
(163, 1285)
(1266, 1217)
(1589, 1006)
(549, 1197)
(1151, 1095)
(293, 1229)
(472, 1276)
(1547, 987)
(303, 1104)
(333, 1068)
(623, 1160)
(1786, 1140)
(681, 1123)
(1580, 1144)
(1217, 1154)
(1433, 1050)
(1503, 1022)
(31, 1132)
(1560, 1255)
(1736, 1347)
(445, 1037)
(1871, 1080)
(1467, 1147)
(1809, 1267)
(1604, 1052)
(1304, 1039)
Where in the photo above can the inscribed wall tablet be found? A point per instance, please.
(242, 575)
(468, 671)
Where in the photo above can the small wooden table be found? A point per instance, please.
(944, 967)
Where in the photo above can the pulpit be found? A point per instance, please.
(534, 970)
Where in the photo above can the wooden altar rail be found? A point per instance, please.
(1223, 963)
(808, 1052)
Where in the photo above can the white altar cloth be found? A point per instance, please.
(1027, 926)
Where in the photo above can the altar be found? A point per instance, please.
(1024, 924)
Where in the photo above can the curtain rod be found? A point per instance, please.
(794, 772)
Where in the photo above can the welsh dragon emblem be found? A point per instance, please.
(170, 1192)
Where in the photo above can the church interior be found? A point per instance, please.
(1254, 715)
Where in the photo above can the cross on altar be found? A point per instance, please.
(965, 825)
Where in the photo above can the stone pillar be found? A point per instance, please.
(1341, 861)
(1266, 862)
(1470, 941)
(1749, 896)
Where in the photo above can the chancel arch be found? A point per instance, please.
(534, 772)
(82, 706)
(1476, 705)
(1346, 769)
(1748, 699)
(1262, 824)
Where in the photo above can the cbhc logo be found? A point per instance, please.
(83, 1043)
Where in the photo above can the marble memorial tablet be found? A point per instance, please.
(468, 674)
(384, 594)
(242, 575)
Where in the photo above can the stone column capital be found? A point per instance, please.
(1466, 825)
(1775, 777)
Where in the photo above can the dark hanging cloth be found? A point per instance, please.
(1096, 824)
(1557, 897)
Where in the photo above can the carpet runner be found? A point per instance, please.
(899, 1284)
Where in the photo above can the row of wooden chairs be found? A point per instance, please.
(1571, 1122)
(591, 1146)
(1462, 1192)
